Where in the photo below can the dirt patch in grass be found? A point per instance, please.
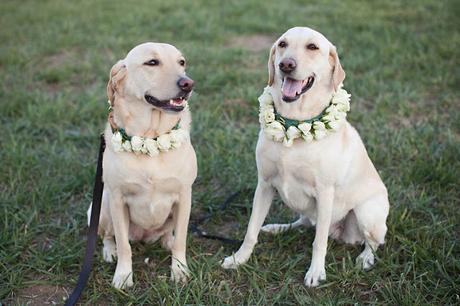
(53, 88)
(253, 43)
(41, 295)
(61, 57)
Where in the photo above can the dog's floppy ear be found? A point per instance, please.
(271, 65)
(117, 74)
(338, 74)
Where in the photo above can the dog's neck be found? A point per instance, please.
(138, 118)
(309, 105)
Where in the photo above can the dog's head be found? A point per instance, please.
(302, 59)
(152, 73)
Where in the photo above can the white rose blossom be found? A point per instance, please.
(304, 127)
(320, 134)
(334, 124)
(319, 126)
(136, 144)
(340, 115)
(293, 132)
(275, 130)
(164, 142)
(332, 110)
(144, 149)
(151, 147)
(307, 136)
(329, 117)
(117, 142)
(343, 107)
(127, 146)
(269, 115)
(320, 130)
(177, 137)
(265, 98)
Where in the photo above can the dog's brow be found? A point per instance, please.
(153, 54)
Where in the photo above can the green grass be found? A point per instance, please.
(402, 70)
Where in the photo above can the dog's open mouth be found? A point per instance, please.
(175, 104)
(292, 89)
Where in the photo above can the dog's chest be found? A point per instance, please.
(292, 176)
(149, 208)
(150, 187)
(151, 195)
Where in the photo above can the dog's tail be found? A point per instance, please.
(281, 228)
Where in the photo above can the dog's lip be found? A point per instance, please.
(175, 104)
(307, 84)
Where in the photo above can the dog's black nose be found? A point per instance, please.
(287, 65)
(185, 84)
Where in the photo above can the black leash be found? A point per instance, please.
(200, 233)
(94, 223)
(92, 231)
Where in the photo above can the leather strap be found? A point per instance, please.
(92, 231)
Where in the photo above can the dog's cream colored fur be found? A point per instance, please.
(331, 182)
(146, 198)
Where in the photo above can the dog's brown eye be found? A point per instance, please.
(152, 62)
(312, 47)
(282, 44)
(182, 62)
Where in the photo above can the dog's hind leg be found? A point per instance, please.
(280, 228)
(119, 216)
(371, 218)
(351, 233)
(109, 251)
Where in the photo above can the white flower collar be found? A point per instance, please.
(121, 141)
(281, 129)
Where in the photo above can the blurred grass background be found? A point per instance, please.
(402, 64)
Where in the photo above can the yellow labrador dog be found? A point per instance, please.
(149, 164)
(330, 181)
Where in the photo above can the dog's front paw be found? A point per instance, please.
(122, 279)
(314, 276)
(232, 262)
(179, 273)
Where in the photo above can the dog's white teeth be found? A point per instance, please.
(177, 102)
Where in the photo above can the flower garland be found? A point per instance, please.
(150, 146)
(281, 129)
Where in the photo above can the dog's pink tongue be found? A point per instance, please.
(291, 87)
